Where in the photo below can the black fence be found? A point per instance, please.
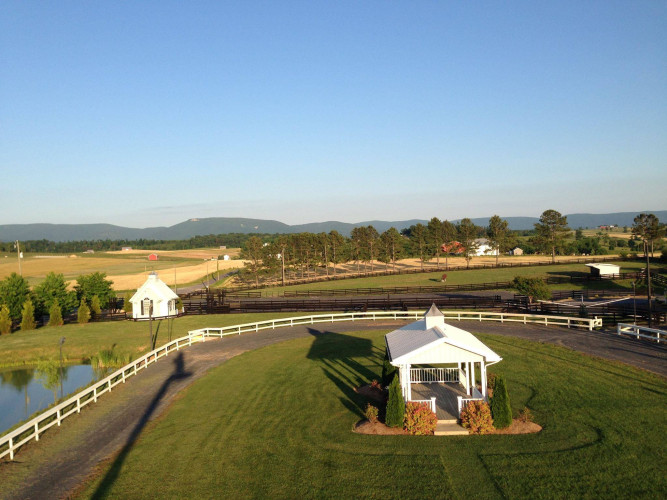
(428, 269)
(432, 289)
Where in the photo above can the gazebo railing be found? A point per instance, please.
(476, 396)
(429, 402)
(433, 375)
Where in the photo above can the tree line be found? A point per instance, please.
(18, 302)
(303, 254)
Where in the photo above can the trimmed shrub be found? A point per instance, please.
(395, 405)
(419, 420)
(526, 415)
(179, 305)
(5, 321)
(476, 417)
(127, 305)
(95, 309)
(83, 316)
(28, 316)
(388, 371)
(500, 405)
(55, 314)
(371, 413)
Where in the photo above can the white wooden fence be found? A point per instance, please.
(433, 375)
(12, 441)
(640, 331)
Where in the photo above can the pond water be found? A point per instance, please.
(28, 390)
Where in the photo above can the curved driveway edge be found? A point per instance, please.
(63, 459)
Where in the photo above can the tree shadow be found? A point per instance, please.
(338, 356)
(113, 472)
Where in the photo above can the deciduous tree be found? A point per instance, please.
(92, 284)
(647, 228)
(552, 231)
(467, 233)
(54, 289)
(14, 291)
(498, 235)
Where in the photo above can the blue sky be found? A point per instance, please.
(150, 113)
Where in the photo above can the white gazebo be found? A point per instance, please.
(439, 363)
(156, 294)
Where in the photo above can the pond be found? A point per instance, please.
(28, 390)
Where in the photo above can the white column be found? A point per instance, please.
(468, 378)
(409, 383)
(483, 366)
(472, 378)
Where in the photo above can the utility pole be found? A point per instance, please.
(18, 255)
(648, 281)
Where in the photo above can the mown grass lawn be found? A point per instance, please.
(277, 423)
(472, 276)
(127, 337)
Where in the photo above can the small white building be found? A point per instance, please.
(484, 248)
(601, 270)
(225, 257)
(516, 251)
(437, 363)
(154, 292)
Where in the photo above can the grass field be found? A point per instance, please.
(277, 423)
(128, 337)
(127, 270)
(470, 276)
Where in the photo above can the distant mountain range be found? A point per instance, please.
(223, 225)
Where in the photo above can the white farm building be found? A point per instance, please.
(155, 294)
(602, 270)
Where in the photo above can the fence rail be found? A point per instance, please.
(430, 402)
(640, 331)
(12, 441)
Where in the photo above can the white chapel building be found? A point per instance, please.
(154, 292)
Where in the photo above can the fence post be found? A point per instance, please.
(78, 405)
(36, 432)
(58, 417)
(11, 448)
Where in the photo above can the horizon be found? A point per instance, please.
(189, 219)
(330, 112)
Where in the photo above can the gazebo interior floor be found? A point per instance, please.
(445, 397)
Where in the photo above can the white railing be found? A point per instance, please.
(12, 441)
(9, 443)
(464, 401)
(433, 375)
(399, 315)
(429, 402)
(640, 331)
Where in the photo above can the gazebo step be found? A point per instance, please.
(448, 421)
(450, 430)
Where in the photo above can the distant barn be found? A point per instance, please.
(152, 256)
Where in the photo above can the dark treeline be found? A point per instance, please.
(232, 240)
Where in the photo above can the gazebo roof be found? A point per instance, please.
(431, 332)
(158, 288)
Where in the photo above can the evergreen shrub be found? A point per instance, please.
(395, 405)
(55, 314)
(388, 371)
(500, 405)
(83, 316)
(28, 316)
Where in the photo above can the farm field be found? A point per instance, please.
(127, 337)
(127, 270)
(286, 432)
(470, 276)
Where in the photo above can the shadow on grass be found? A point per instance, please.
(113, 472)
(337, 354)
